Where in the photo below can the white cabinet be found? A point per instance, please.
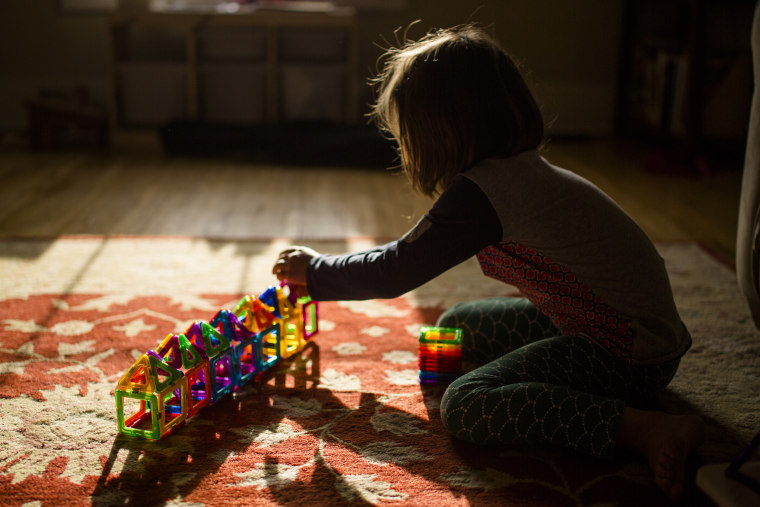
(232, 94)
(252, 68)
(151, 94)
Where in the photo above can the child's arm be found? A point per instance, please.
(461, 223)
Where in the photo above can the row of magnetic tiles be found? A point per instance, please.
(188, 371)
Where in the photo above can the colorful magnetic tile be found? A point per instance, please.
(143, 422)
(439, 354)
(449, 335)
(187, 371)
(223, 374)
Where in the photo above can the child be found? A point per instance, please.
(576, 361)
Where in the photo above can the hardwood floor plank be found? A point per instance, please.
(80, 193)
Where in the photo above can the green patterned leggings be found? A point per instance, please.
(538, 387)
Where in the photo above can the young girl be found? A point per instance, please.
(577, 361)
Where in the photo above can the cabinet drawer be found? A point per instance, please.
(313, 91)
(309, 44)
(231, 43)
(232, 94)
(152, 94)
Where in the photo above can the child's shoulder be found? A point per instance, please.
(522, 178)
(527, 163)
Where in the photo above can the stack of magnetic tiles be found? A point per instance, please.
(190, 370)
(440, 355)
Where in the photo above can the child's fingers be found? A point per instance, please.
(291, 264)
(288, 251)
(281, 269)
(284, 255)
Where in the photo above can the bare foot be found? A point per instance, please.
(666, 440)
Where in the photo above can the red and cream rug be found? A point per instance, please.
(344, 423)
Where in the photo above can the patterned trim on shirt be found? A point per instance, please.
(569, 303)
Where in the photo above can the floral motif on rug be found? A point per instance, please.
(345, 422)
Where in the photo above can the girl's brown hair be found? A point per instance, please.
(451, 99)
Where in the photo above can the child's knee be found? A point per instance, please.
(455, 415)
(451, 317)
(450, 405)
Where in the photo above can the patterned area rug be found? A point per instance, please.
(346, 422)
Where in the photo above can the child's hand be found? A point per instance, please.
(292, 263)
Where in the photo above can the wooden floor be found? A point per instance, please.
(55, 194)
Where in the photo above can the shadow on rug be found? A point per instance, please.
(344, 423)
